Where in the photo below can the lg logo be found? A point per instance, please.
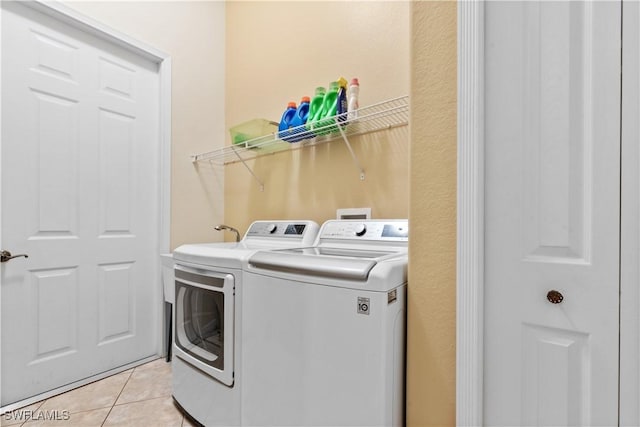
(363, 306)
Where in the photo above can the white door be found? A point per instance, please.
(80, 197)
(552, 210)
(630, 218)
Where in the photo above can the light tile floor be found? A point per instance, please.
(137, 397)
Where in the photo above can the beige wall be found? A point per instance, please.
(432, 214)
(192, 33)
(277, 52)
(280, 51)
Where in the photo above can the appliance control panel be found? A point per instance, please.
(273, 229)
(381, 230)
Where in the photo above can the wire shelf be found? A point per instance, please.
(384, 115)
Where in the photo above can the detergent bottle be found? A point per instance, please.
(353, 95)
(329, 108)
(315, 109)
(341, 105)
(285, 122)
(299, 120)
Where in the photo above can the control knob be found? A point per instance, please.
(271, 228)
(361, 229)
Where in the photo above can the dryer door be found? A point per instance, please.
(204, 321)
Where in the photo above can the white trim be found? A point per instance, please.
(1, 192)
(69, 16)
(165, 155)
(630, 211)
(164, 222)
(470, 208)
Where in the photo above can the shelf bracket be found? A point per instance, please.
(353, 155)
(260, 183)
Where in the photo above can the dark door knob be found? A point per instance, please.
(554, 297)
(6, 256)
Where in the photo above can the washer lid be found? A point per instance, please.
(338, 263)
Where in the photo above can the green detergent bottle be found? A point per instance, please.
(315, 110)
(329, 108)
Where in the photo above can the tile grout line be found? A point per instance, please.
(142, 400)
(42, 402)
(110, 407)
(117, 397)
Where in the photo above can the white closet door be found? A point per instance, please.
(552, 212)
(80, 191)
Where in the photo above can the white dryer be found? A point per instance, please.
(206, 370)
(324, 329)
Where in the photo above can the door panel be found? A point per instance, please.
(80, 156)
(54, 209)
(116, 313)
(555, 376)
(552, 88)
(117, 190)
(54, 295)
(556, 139)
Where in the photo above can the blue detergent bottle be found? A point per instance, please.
(284, 131)
(299, 120)
(341, 105)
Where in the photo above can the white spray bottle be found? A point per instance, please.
(352, 96)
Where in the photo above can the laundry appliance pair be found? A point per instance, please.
(277, 330)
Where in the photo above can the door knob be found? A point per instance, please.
(555, 297)
(6, 256)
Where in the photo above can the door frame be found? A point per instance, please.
(470, 223)
(88, 25)
(629, 392)
(470, 215)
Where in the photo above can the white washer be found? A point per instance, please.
(324, 329)
(206, 369)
